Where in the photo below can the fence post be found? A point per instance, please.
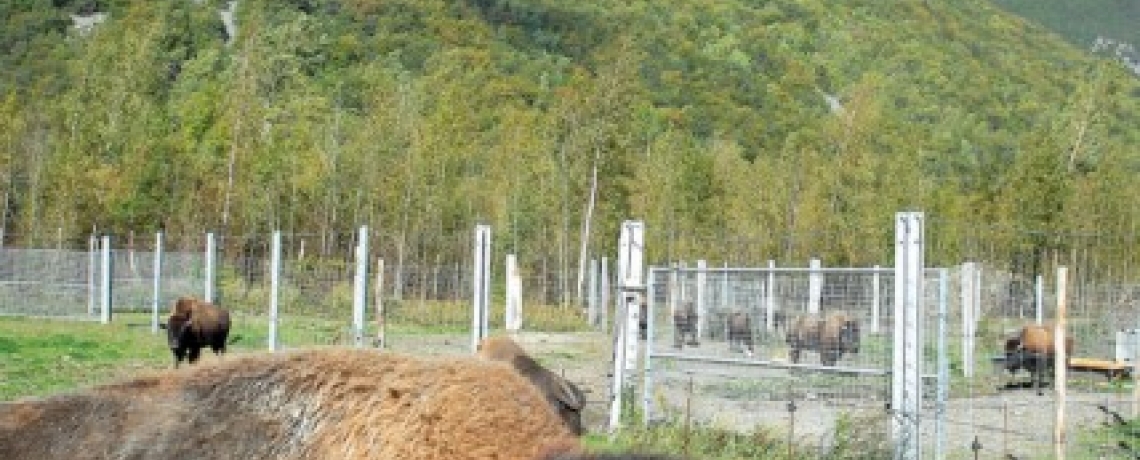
(815, 286)
(210, 262)
(1060, 369)
(770, 298)
(967, 295)
(1039, 298)
(943, 365)
(157, 282)
(512, 314)
(107, 266)
(876, 300)
(274, 287)
(92, 271)
(702, 271)
(592, 295)
(647, 383)
(481, 282)
(604, 293)
(906, 373)
(631, 283)
(360, 288)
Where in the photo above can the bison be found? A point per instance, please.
(740, 332)
(685, 324)
(329, 403)
(193, 325)
(831, 336)
(1033, 348)
(562, 395)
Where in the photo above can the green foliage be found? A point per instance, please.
(800, 126)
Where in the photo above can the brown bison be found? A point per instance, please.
(304, 405)
(564, 397)
(832, 336)
(1033, 348)
(685, 324)
(740, 332)
(193, 325)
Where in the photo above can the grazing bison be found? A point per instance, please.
(193, 325)
(740, 332)
(831, 336)
(685, 324)
(1034, 349)
(350, 404)
(564, 397)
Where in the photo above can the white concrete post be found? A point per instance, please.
(1039, 298)
(211, 255)
(157, 299)
(815, 286)
(906, 373)
(105, 282)
(631, 245)
(92, 274)
(513, 313)
(876, 300)
(274, 288)
(967, 298)
(481, 285)
(770, 298)
(360, 288)
(702, 309)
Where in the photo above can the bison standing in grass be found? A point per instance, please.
(344, 404)
(1034, 349)
(193, 325)
(831, 336)
(564, 397)
(740, 333)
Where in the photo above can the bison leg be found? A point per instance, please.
(195, 353)
(794, 355)
(179, 355)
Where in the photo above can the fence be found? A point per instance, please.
(426, 303)
(716, 380)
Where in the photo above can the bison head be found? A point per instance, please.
(849, 336)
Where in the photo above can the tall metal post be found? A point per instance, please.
(631, 245)
(211, 254)
(274, 288)
(360, 288)
(906, 373)
(157, 299)
(481, 292)
(105, 282)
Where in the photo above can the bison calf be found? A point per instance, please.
(562, 395)
(193, 325)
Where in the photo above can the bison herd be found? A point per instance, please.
(831, 335)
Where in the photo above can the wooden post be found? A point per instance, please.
(1060, 367)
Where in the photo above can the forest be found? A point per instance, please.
(795, 128)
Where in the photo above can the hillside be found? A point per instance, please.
(1081, 23)
(420, 118)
